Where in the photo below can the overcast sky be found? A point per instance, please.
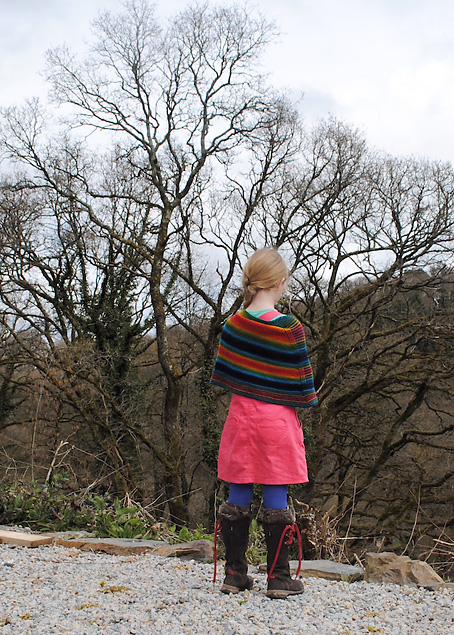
(385, 66)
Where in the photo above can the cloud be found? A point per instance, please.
(385, 66)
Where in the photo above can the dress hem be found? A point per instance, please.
(263, 481)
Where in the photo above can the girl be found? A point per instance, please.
(263, 361)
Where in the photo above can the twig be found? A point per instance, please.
(54, 460)
(350, 520)
(414, 524)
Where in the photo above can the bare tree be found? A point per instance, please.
(371, 239)
(73, 289)
(137, 251)
(188, 110)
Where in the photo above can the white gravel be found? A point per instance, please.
(58, 590)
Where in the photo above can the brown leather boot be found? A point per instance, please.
(279, 527)
(235, 521)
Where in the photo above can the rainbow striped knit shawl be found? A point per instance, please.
(265, 360)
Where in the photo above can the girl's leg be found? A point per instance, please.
(235, 518)
(278, 522)
(241, 493)
(274, 496)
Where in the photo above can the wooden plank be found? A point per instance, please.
(25, 540)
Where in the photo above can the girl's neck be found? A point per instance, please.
(264, 300)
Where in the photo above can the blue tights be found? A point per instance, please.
(274, 496)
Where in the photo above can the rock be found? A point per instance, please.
(195, 550)
(325, 569)
(115, 546)
(391, 568)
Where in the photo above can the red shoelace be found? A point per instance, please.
(292, 529)
(216, 531)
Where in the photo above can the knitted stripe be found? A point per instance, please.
(265, 360)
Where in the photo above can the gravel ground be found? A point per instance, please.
(58, 590)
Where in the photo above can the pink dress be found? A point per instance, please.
(262, 443)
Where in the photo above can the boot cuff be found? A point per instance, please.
(278, 516)
(232, 512)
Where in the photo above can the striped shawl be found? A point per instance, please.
(265, 360)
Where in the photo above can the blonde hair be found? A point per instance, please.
(264, 270)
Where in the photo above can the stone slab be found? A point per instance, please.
(24, 539)
(196, 549)
(115, 546)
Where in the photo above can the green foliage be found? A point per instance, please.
(173, 535)
(120, 521)
(187, 535)
(256, 552)
(53, 508)
(43, 507)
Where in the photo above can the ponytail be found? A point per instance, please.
(264, 270)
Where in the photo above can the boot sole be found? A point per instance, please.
(229, 588)
(278, 594)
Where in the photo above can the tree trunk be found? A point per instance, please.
(173, 469)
